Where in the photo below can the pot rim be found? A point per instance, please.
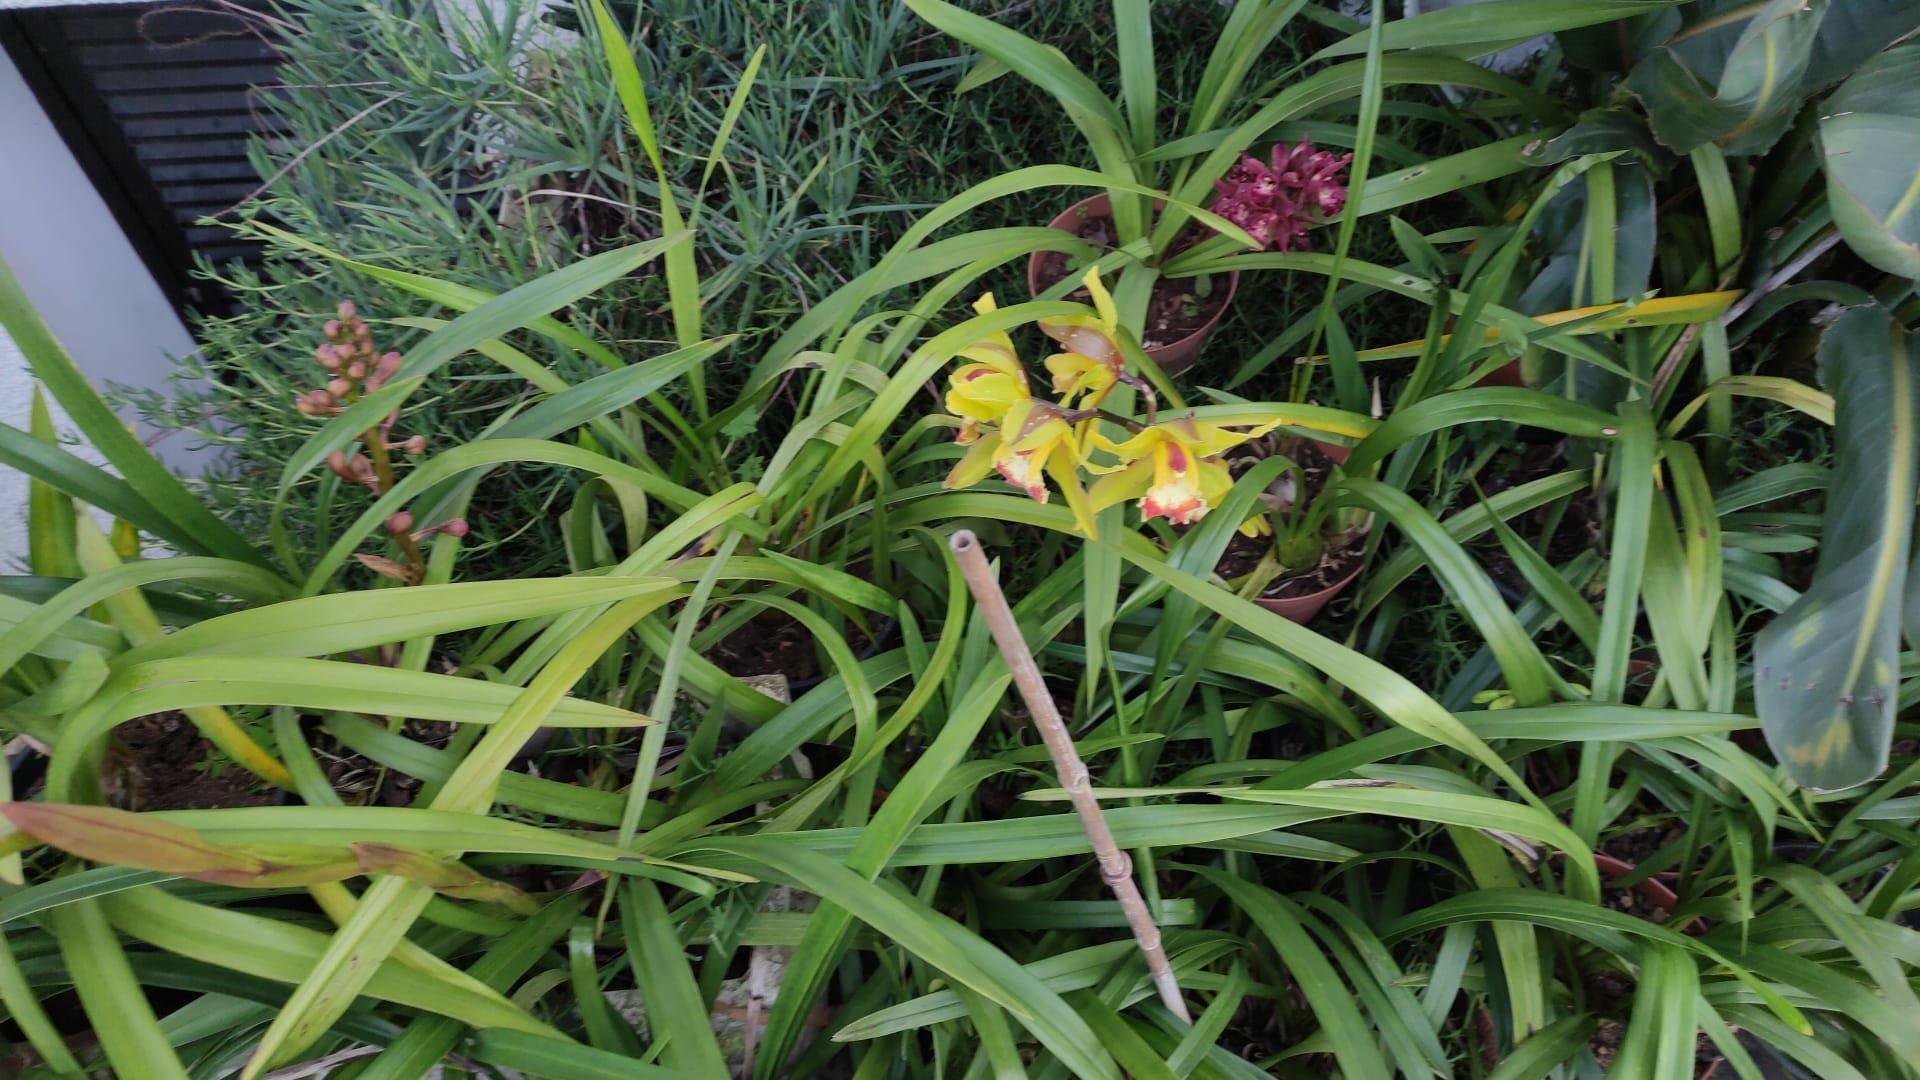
(1085, 208)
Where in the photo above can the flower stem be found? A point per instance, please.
(376, 440)
(1133, 427)
(1116, 869)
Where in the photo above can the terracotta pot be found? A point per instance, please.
(1652, 890)
(1302, 609)
(1174, 357)
(1507, 375)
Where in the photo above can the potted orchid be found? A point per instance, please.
(1292, 555)
(1275, 197)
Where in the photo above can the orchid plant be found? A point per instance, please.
(1173, 467)
(1209, 149)
(1303, 526)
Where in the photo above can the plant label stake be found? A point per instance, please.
(1116, 869)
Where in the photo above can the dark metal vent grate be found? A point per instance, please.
(157, 103)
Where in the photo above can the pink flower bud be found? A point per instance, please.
(415, 444)
(332, 330)
(455, 527)
(356, 370)
(324, 354)
(400, 522)
(337, 461)
(389, 366)
(347, 310)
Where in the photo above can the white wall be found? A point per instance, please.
(84, 277)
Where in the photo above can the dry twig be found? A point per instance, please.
(1116, 869)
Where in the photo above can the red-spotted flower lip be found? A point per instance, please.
(1180, 507)
(1020, 470)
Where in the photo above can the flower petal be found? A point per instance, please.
(1023, 471)
(1175, 493)
(1125, 484)
(976, 463)
(1102, 299)
(1060, 467)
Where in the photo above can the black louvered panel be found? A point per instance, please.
(159, 102)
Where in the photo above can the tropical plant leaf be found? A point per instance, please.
(1852, 32)
(1750, 101)
(1825, 671)
(1870, 141)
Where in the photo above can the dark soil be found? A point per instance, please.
(1605, 1042)
(161, 762)
(1634, 848)
(1245, 552)
(1176, 310)
(768, 645)
(1640, 844)
(1336, 562)
(1629, 902)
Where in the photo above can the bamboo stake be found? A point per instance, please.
(1116, 869)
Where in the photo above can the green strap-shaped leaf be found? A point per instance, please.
(1471, 30)
(1755, 95)
(1825, 671)
(1660, 1033)
(1870, 138)
(161, 503)
(50, 535)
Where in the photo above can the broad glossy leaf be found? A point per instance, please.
(1870, 137)
(1825, 672)
(1600, 131)
(1853, 31)
(1749, 103)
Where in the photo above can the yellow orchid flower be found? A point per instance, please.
(1078, 375)
(1043, 444)
(983, 391)
(1091, 336)
(1172, 467)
